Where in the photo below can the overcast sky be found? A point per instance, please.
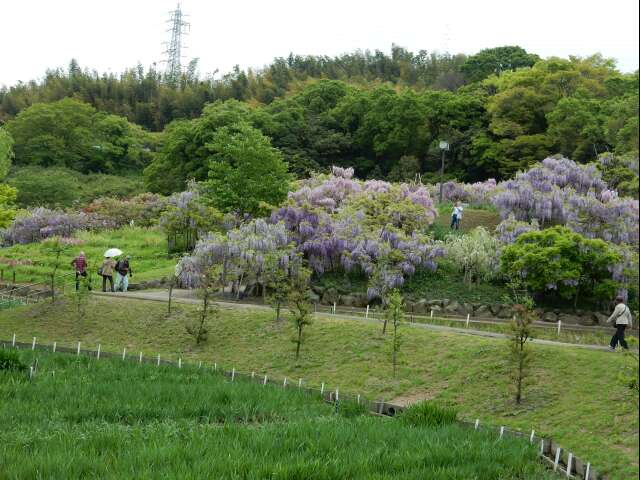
(111, 35)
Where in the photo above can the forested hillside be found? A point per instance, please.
(500, 110)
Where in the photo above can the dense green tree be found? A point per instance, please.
(52, 188)
(70, 133)
(246, 174)
(6, 152)
(494, 61)
(184, 155)
(558, 260)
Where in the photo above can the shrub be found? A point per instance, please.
(428, 414)
(10, 360)
(563, 262)
(475, 254)
(51, 187)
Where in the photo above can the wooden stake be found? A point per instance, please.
(33, 344)
(557, 460)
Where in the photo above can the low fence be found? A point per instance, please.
(551, 454)
(12, 293)
(465, 320)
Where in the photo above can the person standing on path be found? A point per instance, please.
(123, 272)
(80, 264)
(621, 319)
(456, 216)
(106, 270)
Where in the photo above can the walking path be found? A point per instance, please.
(186, 296)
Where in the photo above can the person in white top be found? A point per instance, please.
(621, 319)
(456, 215)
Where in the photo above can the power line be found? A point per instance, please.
(173, 53)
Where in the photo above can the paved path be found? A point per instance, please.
(188, 296)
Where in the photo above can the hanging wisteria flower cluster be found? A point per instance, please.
(474, 194)
(337, 223)
(560, 191)
(510, 229)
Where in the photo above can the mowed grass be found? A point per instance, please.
(573, 395)
(147, 247)
(88, 418)
(488, 218)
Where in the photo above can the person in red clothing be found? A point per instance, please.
(80, 264)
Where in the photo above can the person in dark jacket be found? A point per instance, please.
(621, 318)
(80, 265)
(123, 272)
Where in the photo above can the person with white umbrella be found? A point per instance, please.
(106, 270)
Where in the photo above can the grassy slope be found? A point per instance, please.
(110, 419)
(574, 395)
(147, 247)
(471, 218)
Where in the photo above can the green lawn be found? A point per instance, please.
(574, 395)
(147, 247)
(88, 418)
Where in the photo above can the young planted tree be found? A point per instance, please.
(300, 306)
(394, 313)
(520, 353)
(198, 327)
(54, 247)
(278, 286)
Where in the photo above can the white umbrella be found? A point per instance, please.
(112, 252)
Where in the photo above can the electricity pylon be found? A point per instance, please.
(174, 48)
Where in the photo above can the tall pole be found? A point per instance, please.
(441, 175)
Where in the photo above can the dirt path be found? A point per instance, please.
(189, 297)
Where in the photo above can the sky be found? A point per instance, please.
(112, 35)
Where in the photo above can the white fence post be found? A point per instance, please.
(284, 384)
(215, 367)
(559, 326)
(366, 315)
(33, 344)
(532, 435)
(179, 362)
(468, 316)
(337, 394)
(253, 374)
(501, 431)
(158, 364)
(334, 308)
(542, 446)
(124, 353)
(233, 374)
(299, 383)
(98, 355)
(140, 358)
(54, 347)
(477, 423)
(569, 464)
(264, 382)
(31, 372)
(13, 342)
(358, 399)
(78, 352)
(432, 313)
(557, 460)
(587, 473)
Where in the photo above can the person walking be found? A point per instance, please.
(456, 216)
(80, 265)
(106, 270)
(621, 319)
(123, 272)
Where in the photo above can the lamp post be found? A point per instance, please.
(444, 146)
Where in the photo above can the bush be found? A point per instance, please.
(53, 187)
(428, 414)
(10, 360)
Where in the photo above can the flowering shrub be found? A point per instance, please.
(42, 223)
(475, 254)
(510, 229)
(475, 194)
(338, 224)
(143, 209)
(559, 191)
